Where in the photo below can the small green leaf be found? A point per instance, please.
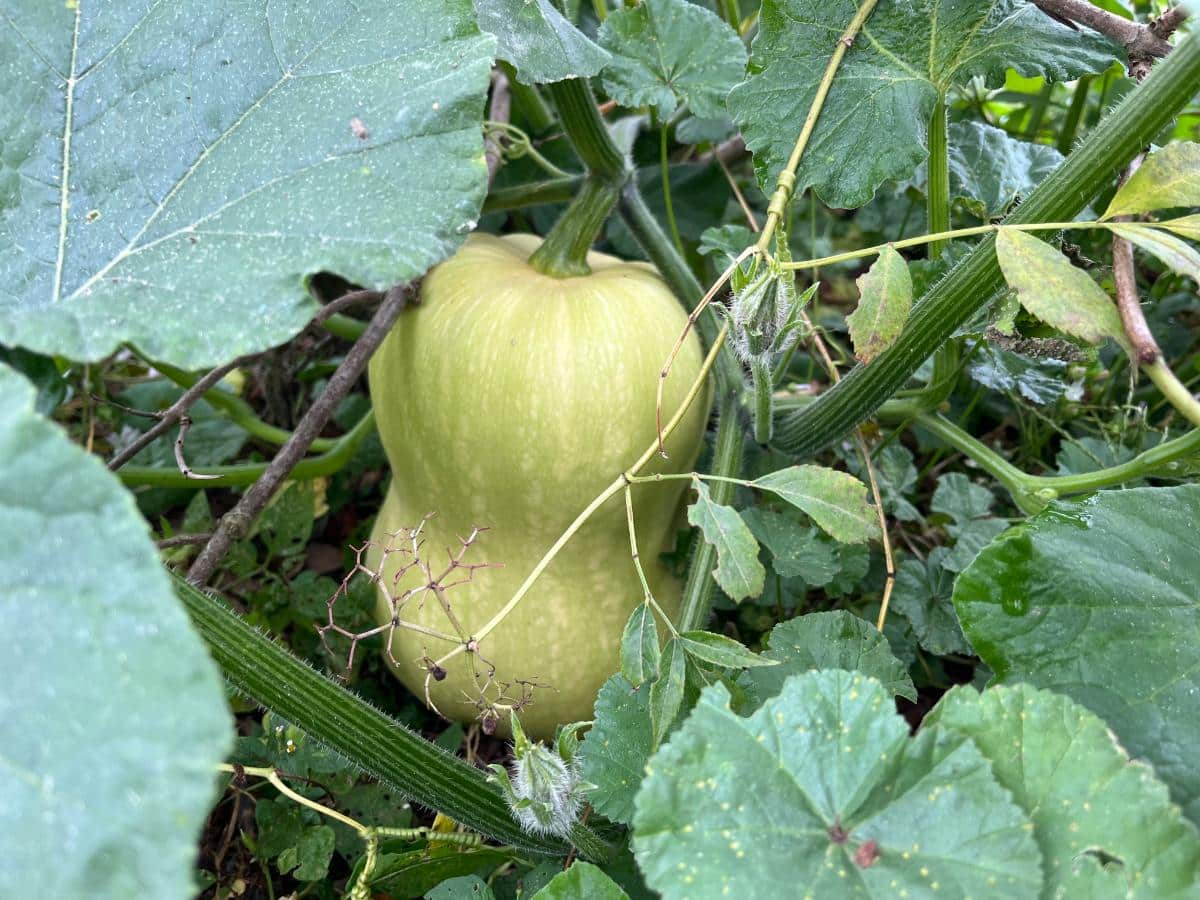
(1100, 599)
(1088, 801)
(1165, 179)
(418, 871)
(1188, 226)
(639, 646)
(922, 595)
(739, 573)
(582, 881)
(671, 52)
(464, 887)
(826, 640)
(727, 241)
(721, 651)
(310, 855)
(1052, 289)
(834, 500)
(542, 45)
(1179, 256)
(885, 297)
(822, 792)
(616, 748)
(666, 693)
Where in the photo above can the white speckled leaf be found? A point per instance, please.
(541, 44)
(172, 172)
(617, 746)
(873, 124)
(114, 716)
(1083, 793)
(822, 793)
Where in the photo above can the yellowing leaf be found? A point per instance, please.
(885, 297)
(1179, 256)
(1188, 226)
(1170, 177)
(1052, 289)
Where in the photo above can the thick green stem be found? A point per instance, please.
(938, 200)
(243, 474)
(696, 606)
(665, 165)
(585, 129)
(1174, 390)
(553, 190)
(564, 252)
(731, 14)
(382, 747)
(239, 411)
(528, 102)
(945, 307)
(1070, 127)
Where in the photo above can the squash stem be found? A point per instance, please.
(564, 252)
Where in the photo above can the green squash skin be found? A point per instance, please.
(508, 400)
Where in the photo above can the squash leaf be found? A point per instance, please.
(823, 789)
(616, 748)
(181, 169)
(1100, 599)
(582, 881)
(542, 45)
(874, 122)
(671, 52)
(1104, 823)
(115, 716)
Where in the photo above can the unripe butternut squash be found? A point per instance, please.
(508, 399)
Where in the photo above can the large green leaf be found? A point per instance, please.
(874, 122)
(539, 41)
(989, 168)
(1088, 802)
(667, 52)
(114, 716)
(826, 640)
(174, 171)
(823, 791)
(1100, 599)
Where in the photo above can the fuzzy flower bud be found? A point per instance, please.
(543, 787)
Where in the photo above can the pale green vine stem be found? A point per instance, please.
(666, 186)
(1173, 389)
(618, 484)
(370, 834)
(637, 564)
(943, 236)
(786, 182)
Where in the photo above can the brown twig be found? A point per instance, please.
(728, 151)
(183, 540)
(499, 110)
(347, 300)
(1143, 43)
(236, 523)
(176, 412)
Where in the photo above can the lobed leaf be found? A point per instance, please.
(1104, 824)
(616, 748)
(540, 43)
(1100, 599)
(582, 881)
(823, 790)
(671, 52)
